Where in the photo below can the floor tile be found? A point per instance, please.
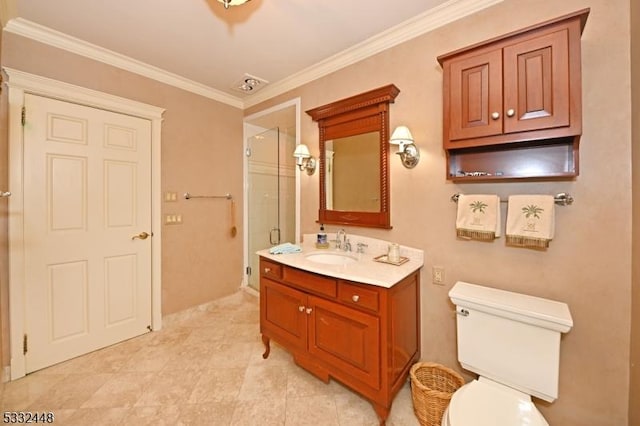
(204, 368)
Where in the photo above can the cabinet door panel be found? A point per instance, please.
(536, 83)
(476, 94)
(347, 339)
(283, 314)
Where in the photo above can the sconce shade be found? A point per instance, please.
(302, 151)
(228, 3)
(401, 135)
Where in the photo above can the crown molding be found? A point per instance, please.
(414, 27)
(407, 30)
(71, 44)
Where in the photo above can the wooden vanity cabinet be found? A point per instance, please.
(366, 337)
(512, 105)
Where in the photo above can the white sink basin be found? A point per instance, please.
(332, 258)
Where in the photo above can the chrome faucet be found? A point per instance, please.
(341, 244)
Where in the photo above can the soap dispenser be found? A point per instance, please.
(321, 241)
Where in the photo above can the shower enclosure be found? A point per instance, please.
(271, 203)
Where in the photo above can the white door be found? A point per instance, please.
(87, 205)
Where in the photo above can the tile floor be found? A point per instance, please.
(203, 368)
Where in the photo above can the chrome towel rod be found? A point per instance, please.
(561, 199)
(188, 196)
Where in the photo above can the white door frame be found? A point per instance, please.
(20, 83)
(247, 133)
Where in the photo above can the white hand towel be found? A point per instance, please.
(285, 248)
(478, 217)
(530, 221)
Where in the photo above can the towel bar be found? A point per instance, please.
(188, 196)
(561, 199)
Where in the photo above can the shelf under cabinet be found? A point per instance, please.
(539, 160)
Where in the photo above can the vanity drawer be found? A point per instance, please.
(270, 269)
(314, 283)
(359, 295)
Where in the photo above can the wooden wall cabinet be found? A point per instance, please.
(366, 337)
(512, 105)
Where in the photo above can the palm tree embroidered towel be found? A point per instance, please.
(530, 221)
(478, 217)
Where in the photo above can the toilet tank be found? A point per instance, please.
(510, 338)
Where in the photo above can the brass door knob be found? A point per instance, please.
(142, 236)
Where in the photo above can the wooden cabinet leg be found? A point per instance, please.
(382, 412)
(267, 346)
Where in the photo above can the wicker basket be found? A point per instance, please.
(431, 388)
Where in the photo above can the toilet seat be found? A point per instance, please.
(486, 403)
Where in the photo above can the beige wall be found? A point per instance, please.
(589, 262)
(201, 154)
(634, 392)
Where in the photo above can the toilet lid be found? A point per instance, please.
(485, 403)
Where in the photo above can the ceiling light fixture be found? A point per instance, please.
(249, 84)
(228, 3)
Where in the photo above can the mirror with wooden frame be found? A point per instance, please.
(354, 159)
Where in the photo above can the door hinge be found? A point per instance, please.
(247, 152)
(24, 115)
(248, 270)
(24, 345)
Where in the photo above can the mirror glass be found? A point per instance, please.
(352, 173)
(354, 159)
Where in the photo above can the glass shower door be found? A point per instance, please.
(271, 195)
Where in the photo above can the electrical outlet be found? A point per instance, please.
(437, 275)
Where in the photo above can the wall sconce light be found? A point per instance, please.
(304, 160)
(408, 152)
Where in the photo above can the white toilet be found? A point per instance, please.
(512, 341)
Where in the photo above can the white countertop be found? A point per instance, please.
(364, 270)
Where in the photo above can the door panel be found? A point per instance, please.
(536, 74)
(68, 288)
(87, 191)
(66, 192)
(120, 193)
(346, 339)
(120, 280)
(475, 94)
(283, 313)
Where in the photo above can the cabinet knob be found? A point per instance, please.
(355, 297)
(309, 310)
(511, 112)
(267, 270)
(301, 308)
(495, 115)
